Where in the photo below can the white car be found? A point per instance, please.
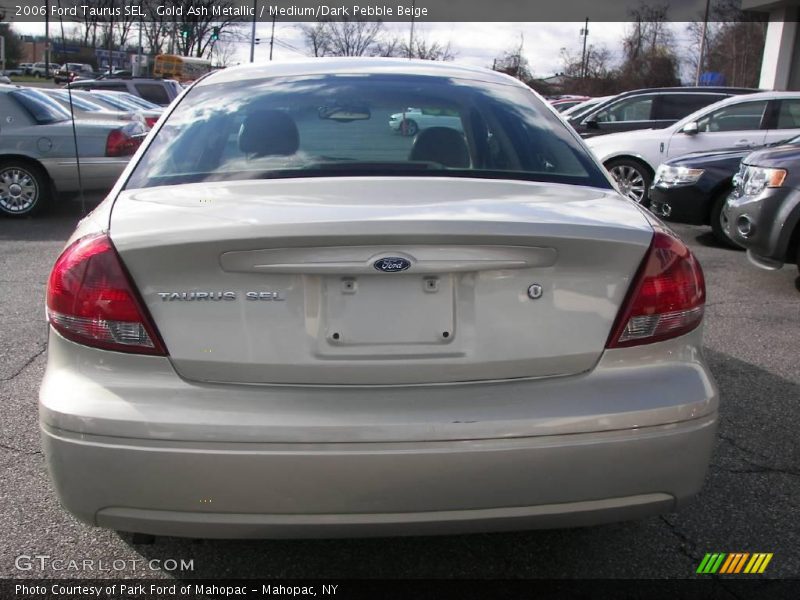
(284, 322)
(739, 121)
(413, 120)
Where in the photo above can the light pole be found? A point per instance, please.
(253, 33)
(702, 46)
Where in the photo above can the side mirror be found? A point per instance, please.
(690, 128)
(591, 124)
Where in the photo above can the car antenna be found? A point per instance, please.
(72, 114)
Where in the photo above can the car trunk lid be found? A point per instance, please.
(380, 281)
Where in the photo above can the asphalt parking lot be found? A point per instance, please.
(750, 501)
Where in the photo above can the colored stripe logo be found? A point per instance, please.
(734, 563)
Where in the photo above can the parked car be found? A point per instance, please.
(158, 91)
(574, 112)
(37, 151)
(693, 188)
(762, 214)
(14, 71)
(125, 102)
(4, 79)
(562, 104)
(25, 68)
(41, 69)
(653, 108)
(413, 120)
(744, 121)
(72, 71)
(84, 107)
(323, 330)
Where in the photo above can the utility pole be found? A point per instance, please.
(47, 39)
(411, 36)
(702, 45)
(585, 34)
(272, 38)
(253, 33)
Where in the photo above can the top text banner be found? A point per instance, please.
(391, 10)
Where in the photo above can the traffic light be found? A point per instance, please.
(215, 34)
(186, 31)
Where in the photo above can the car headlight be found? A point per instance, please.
(755, 180)
(670, 176)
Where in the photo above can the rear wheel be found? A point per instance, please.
(24, 188)
(715, 219)
(633, 178)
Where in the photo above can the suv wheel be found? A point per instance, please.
(632, 177)
(24, 188)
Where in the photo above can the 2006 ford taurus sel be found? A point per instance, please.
(287, 321)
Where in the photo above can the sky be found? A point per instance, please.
(473, 43)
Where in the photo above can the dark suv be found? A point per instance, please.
(653, 108)
(157, 91)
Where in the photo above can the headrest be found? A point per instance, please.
(268, 133)
(442, 145)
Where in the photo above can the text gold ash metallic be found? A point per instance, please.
(217, 296)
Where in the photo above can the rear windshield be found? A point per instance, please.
(368, 125)
(42, 109)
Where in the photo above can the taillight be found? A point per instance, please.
(666, 298)
(151, 121)
(90, 300)
(119, 143)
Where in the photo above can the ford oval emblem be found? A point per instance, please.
(392, 264)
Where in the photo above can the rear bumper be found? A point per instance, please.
(327, 490)
(133, 449)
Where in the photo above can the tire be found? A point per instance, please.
(24, 188)
(36, 75)
(409, 127)
(715, 219)
(797, 258)
(632, 177)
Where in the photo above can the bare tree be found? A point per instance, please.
(513, 62)
(734, 44)
(597, 77)
(649, 49)
(426, 50)
(351, 37)
(421, 47)
(316, 38)
(195, 31)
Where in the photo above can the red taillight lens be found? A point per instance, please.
(119, 143)
(151, 121)
(90, 300)
(666, 299)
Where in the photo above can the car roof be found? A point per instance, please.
(359, 65)
(689, 90)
